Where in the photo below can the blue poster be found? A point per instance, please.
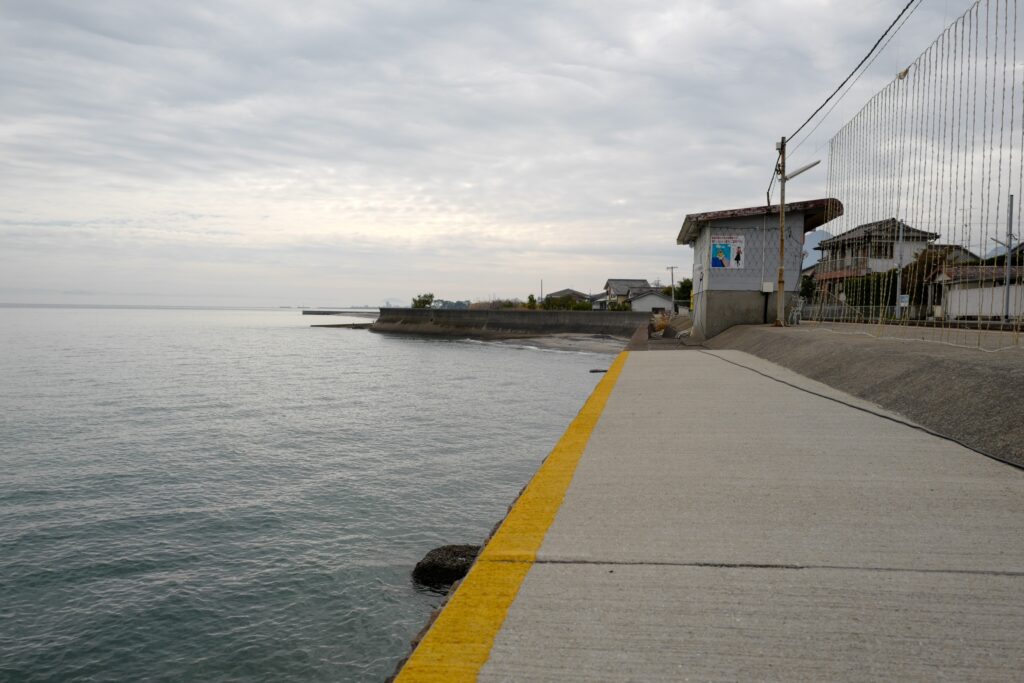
(727, 252)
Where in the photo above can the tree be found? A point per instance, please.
(562, 303)
(807, 287)
(683, 291)
(531, 302)
(423, 301)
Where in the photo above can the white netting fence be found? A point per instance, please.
(925, 172)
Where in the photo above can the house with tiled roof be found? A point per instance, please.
(875, 247)
(617, 290)
(568, 294)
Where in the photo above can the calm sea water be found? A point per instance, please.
(233, 495)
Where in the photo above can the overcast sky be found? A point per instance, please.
(332, 153)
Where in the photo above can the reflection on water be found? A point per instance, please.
(210, 494)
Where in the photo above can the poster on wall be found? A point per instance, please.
(727, 252)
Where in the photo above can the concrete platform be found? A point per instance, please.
(722, 525)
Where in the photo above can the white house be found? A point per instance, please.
(979, 292)
(650, 301)
(870, 248)
(617, 290)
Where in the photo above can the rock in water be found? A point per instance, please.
(445, 565)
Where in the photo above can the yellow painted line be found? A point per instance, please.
(459, 643)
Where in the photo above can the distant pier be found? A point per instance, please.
(354, 314)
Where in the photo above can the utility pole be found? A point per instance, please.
(1006, 260)
(899, 272)
(672, 283)
(780, 292)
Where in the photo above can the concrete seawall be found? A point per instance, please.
(507, 323)
(962, 393)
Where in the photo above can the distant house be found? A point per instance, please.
(617, 291)
(599, 302)
(576, 296)
(649, 300)
(870, 248)
(953, 254)
(977, 292)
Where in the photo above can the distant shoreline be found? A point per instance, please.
(359, 313)
(558, 341)
(508, 324)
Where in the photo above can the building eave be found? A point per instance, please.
(817, 213)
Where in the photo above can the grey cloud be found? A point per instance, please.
(523, 135)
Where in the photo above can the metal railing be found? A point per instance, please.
(835, 265)
(837, 312)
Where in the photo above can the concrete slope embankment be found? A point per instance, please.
(505, 323)
(963, 393)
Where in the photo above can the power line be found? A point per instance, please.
(771, 181)
(832, 108)
(856, 68)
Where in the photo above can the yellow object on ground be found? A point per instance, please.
(458, 644)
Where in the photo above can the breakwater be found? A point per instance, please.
(507, 323)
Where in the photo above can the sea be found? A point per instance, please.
(234, 495)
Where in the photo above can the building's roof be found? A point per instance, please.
(886, 230)
(809, 270)
(952, 247)
(953, 253)
(816, 212)
(622, 287)
(634, 295)
(993, 274)
(567, 292)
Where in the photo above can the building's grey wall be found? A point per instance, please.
(724, 308)
(698, 312)
(504, 322)
(701, 259)
(760, 253)
(724, 297)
